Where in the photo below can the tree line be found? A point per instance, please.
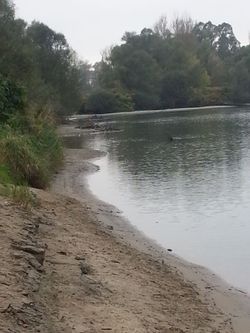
(176, 64)
(41, 63)
(41, 80)
(172, 65)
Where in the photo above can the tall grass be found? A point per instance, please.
(30, 150)
(19, 194)
(5, 177)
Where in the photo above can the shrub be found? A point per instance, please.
(5, 177)
(108, 101)
(21, 195)
(11, 99)
(30, 149)
(16, 152)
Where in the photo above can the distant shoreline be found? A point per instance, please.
(138, 112)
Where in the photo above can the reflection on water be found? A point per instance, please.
(73, 142)
(191, 194)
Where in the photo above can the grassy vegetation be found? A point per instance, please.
(21, 195)
(30, 152)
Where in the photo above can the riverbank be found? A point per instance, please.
(143, 112)
(73, 264)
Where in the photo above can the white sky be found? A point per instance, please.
(92, 25)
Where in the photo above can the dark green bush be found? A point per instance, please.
(32, 153)
(5, 177)
(11, 99)
(108, 101)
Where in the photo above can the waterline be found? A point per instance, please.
(191, 195)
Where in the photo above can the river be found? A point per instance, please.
(192, 194)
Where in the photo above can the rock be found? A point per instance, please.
(106, 329)
(8, 309)
(4, 306)
(80, 258)
(18, 255)
(37, 252)
(110, 227)
(63, 253)
(170, 250)
(35, 264)
(85, 269)
(115, 261)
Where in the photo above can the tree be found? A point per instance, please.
(65, 76)
(161, 28)
(139, 74)
(7, 11)
(178, 64)
(220, 37)
(182, 26)
(240, 77)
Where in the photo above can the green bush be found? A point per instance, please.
(21, 195)
(5, 177)
(32, 153)
(18, 154)
(11, 99)
(108, 101)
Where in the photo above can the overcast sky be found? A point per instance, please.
(92, 25)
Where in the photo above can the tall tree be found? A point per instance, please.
(220, 37)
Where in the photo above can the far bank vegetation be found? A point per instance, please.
(176, 64)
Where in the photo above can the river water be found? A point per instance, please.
(192, 194)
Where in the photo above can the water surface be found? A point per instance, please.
(192, 194)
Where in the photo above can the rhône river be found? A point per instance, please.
(191, 194)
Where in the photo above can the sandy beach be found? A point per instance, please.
(74, 264)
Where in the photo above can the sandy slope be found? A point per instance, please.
(90, 282)
(65, 268)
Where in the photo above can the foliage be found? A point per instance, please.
(177, 64)
(40, 61)
(240, 77)
(58, 67)
(11, 99)
(40, 79)
(21, 195)
(220, 37)
(5, 177)
(108, 101)
(31, 153)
